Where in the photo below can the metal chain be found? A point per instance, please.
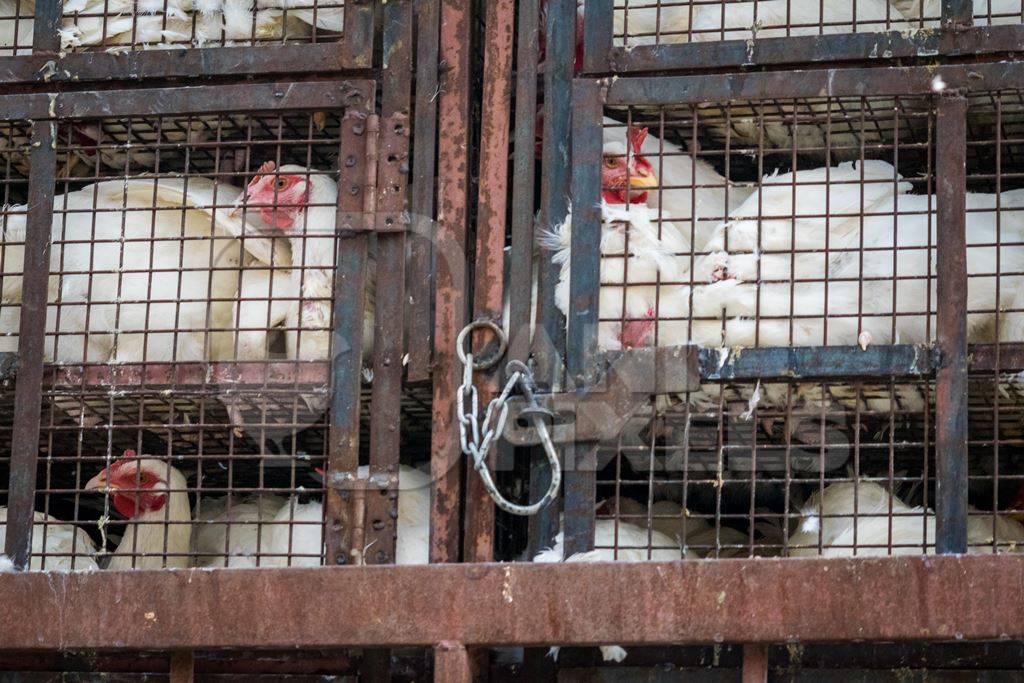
(478, 437)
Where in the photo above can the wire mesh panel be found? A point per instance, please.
(190, 335)
(796, 243)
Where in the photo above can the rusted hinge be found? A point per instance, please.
(629, 380)
(393, 174)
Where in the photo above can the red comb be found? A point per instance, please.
(637, 135)
(129, 453)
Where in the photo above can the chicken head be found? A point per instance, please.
(137, 485)
(626, 177)
(281, 196)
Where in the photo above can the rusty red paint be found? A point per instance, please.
(450, 276)
(750, 601)
(489, 270)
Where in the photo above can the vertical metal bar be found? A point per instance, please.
(489, 258)
(451, 663)
(957, 13)
(523, 176)
(549, 342)
(597, 36)
(183, 667)
(755, 663)
(28, 387)
(47, 14)
(450, 274)
(388, 338)
(357, 38)
(343, 507)
(420, 281)
(951, 379)
(584, 290)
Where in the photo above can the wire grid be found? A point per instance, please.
(658, 22)
(783, 467)
(121, 25)
(215, 371)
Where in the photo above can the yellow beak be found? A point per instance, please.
(643, 180)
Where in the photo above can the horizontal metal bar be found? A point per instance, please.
(752, 601)
(874, 48)
(818, 362)
(206, 62)
(205, 99)
(851, 82)
(251, 373)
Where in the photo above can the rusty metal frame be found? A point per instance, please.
(355, 96)
(956, 38)
(948, 363)
(745, 601)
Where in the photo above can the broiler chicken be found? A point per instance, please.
(265, 530)
(56, 545)
(870, 296)
(152, 495)
(986, 12)
(132, 288)
(300, 204)
(865, 519)
(636, 251)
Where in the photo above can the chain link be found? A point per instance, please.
(478, 437)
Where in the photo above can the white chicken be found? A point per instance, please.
(56, 545)
(702, 539)
(301, 204)
(779, 18)
(149, 268)
(878, 523)
(688, 186)
(636, 251)
(617, 541)
(153, 496)
(266, 530)
(871, 296)
(296, 539)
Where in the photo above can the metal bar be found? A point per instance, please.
(798, 51)
(951, 400)
(584, 286)
(451, 663)
(957, 13)
(755, 663)
(342, 502)
(597, 35)
(968, 597)
(32, 330)
(183, 666)
(190, 100)
(521, 270)
(357, 39)
(77, 69)
(420, 281)
(489, 257)
(388, 340)
(556, 162)
(46, 15)
(451, 280)
(821, 362)
(679, 90)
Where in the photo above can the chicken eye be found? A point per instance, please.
(611, 162)
(281, 183)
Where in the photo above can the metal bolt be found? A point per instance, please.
(378, 524)
(350, 161)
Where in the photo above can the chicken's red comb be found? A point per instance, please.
(267, 167)
(637, 135)
(129, 453)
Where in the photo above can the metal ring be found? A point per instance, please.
(485, 363)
